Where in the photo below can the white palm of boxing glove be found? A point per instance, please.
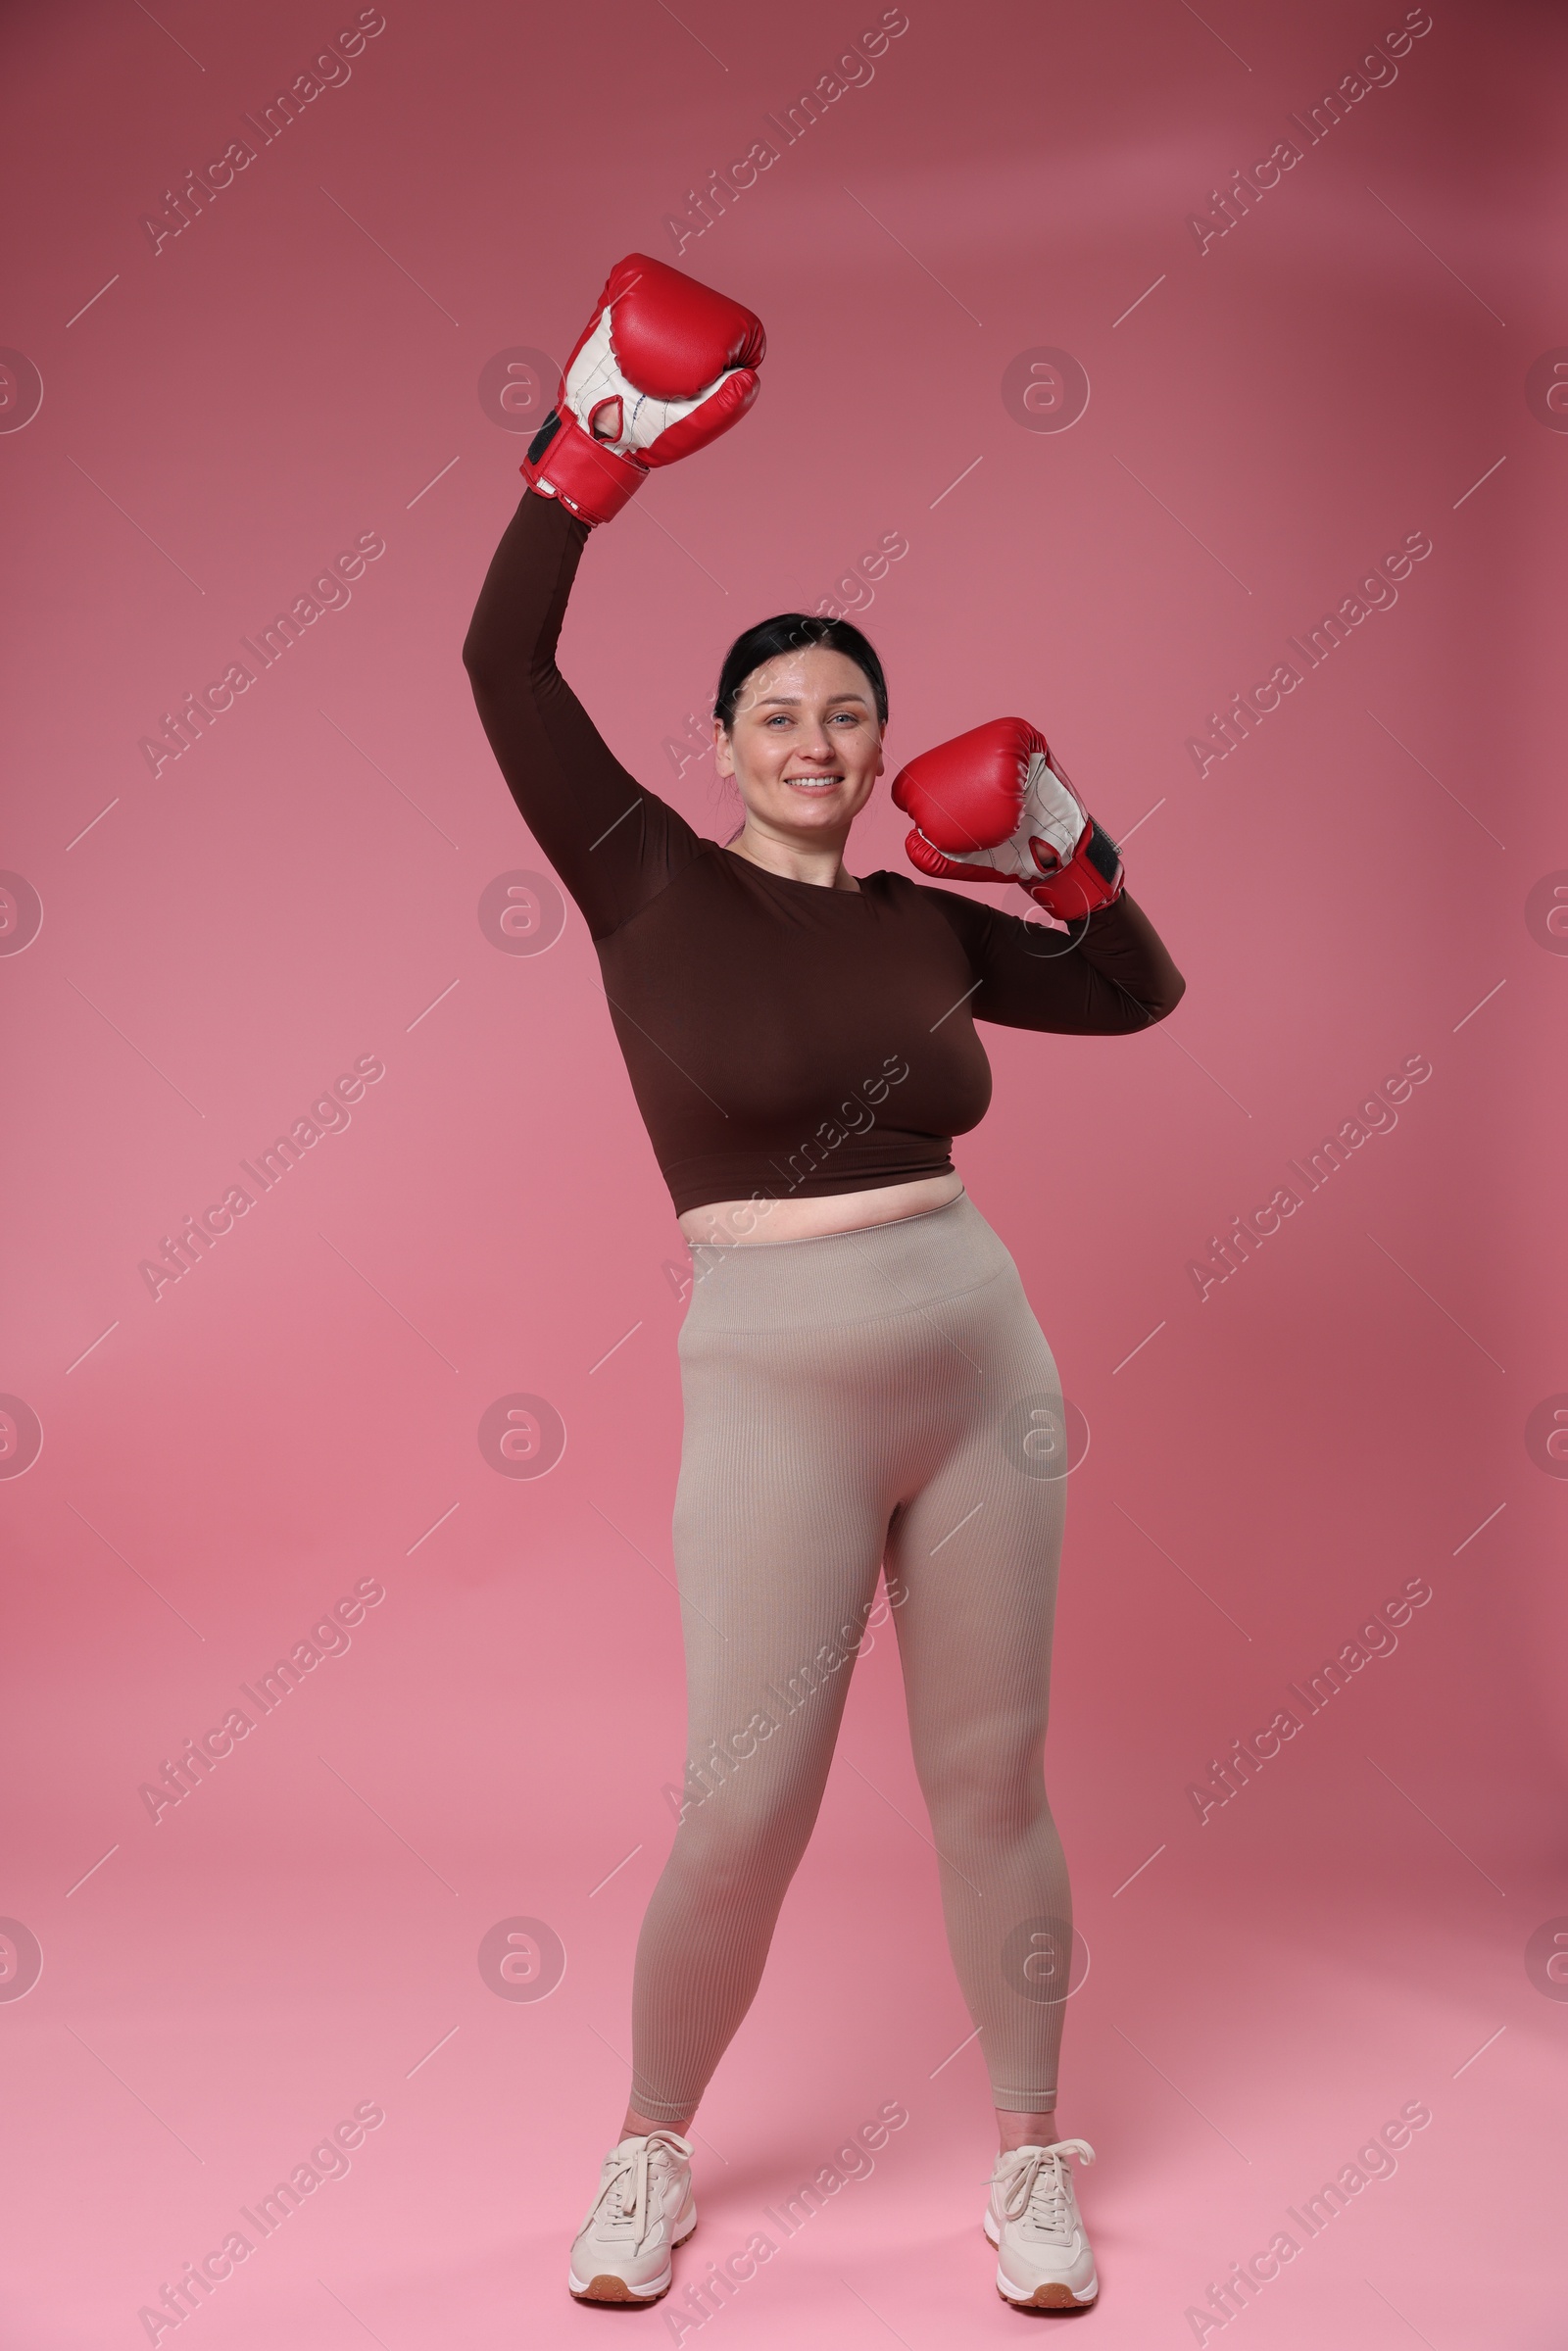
(610, 409)
(995, 806)
(1050, 826)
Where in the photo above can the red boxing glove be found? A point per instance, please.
(994, 805)
(663, 367)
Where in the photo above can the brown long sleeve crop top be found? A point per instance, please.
(783, 1038)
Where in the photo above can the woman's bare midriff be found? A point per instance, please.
(737, 1222)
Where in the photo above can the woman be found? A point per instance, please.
(863, 1380)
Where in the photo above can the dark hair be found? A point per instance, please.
(789, 632)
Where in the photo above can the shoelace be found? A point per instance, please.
(620, 2214)
(1039, 2186)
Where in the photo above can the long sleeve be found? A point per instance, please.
(614, 845)
(1110, 976)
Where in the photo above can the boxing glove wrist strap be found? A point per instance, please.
(1092, 877)
(1101, 850)
(563, 463)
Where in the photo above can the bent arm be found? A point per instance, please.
(613, 844)
(1111, 975)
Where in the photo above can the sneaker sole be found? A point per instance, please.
(609, 2290)
(1045, 2298)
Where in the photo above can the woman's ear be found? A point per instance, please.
(723, 749)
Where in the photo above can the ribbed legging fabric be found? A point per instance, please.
(880, 1396)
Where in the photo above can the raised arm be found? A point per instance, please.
(613, 844)
(663, 365)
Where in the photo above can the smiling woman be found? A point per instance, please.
(846, 1375)
(798, 721)
(798, 724)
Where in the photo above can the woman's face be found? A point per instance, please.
(805, 746)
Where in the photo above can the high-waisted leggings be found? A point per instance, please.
(877, 1398)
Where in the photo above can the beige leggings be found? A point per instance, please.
(882, 1396)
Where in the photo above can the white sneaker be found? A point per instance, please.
(644, 2206)
(1043, 2256)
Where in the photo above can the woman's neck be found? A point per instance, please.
(822, 865)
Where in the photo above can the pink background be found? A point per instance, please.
(1351, 886)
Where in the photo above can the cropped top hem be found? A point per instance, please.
(708, 1182)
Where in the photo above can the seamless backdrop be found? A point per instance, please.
(1194, 384)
